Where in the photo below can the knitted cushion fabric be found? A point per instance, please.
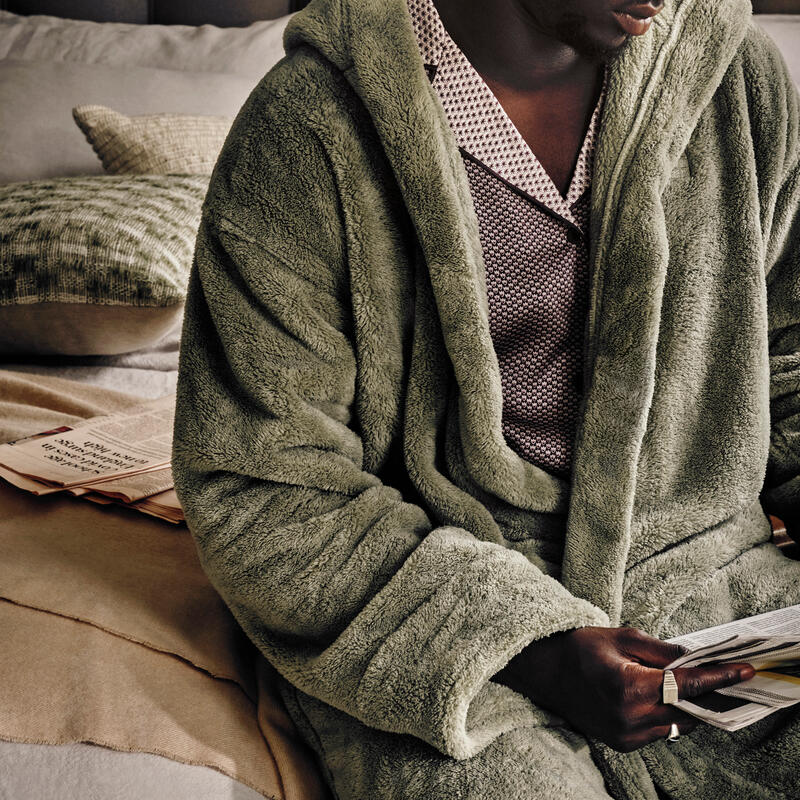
(75, 248)
(153, 143)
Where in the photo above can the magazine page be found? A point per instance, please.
(771, 643)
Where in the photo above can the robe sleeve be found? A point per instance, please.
(777, 135)
(352, 593)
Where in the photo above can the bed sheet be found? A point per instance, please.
(89, 772)
(151, 372)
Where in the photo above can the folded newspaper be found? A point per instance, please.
(771, 643)
(115, 458)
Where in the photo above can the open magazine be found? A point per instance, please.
(114, 458)
(771, 643)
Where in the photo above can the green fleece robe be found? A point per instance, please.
(338, 447)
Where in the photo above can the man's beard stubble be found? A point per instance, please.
(571, 29)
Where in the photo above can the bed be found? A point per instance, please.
(122, 675)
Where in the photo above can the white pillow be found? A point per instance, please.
(250, 51)
(38, 137)
(785, 32)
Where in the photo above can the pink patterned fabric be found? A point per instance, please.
(535, 246)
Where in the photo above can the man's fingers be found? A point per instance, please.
(662, 715)
(694, 681)
(648, 650)
(637, 739)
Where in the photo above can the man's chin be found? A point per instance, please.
(594, 49)
(602, 54)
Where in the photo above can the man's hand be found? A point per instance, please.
(606, 682)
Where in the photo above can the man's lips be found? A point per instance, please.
(636, 19)
(642, 10)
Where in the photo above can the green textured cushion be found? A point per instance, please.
(92, 241)
(115, 240)
(163, 144)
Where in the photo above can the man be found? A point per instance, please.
(488, 303)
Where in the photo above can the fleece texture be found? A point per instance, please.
(338, 445)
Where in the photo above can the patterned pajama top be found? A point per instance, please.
(535, 246)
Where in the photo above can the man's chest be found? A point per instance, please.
(553, 123)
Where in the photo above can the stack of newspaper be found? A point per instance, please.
(115, 458)
(771, 643)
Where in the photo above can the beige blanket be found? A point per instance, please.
(112, 634)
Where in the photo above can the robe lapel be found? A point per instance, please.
(656, 91)
(424, 156)
(658, 88)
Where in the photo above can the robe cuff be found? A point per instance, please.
(431, 677)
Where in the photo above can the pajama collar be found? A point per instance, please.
(481, 126)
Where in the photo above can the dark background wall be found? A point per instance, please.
(776, 6)
(219, 12)
(166, 12)
(759, 6)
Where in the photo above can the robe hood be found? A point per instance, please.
(658, 86)
(667, 75)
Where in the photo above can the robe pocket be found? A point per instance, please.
(658, 586)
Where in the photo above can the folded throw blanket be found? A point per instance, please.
(112, 634)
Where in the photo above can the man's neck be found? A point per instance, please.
(503, 43)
